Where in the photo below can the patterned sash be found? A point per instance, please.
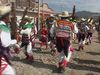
(4, 64)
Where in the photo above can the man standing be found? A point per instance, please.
(5, 41)
(26, 42)
(43, 38)
(49, 22)
(64, 31)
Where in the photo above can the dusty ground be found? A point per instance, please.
(85, 62)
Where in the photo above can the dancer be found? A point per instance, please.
(5, 42)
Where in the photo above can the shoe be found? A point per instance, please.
(31, 58)
(82, 47)
(60, 70)
(63, 65)
(79, 48)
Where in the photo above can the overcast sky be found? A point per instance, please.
(81, 5)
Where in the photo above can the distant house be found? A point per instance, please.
(4, 2)
(45, 10)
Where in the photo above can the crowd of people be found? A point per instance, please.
(56, 33)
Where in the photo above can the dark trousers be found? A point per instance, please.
(81, 36)
(4, 52)
(62, 44)
(89, 34)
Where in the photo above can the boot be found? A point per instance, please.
(87, 43)
(82, 47)
(31, 58)
(71, 49)
(79, 48)
(27, 56)
(17, 50)
(62, 65)
(65, 63)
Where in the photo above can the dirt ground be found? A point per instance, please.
(84, 62)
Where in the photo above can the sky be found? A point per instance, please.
(67, 5)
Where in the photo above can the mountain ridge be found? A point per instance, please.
(87, 14)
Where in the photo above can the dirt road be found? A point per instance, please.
(84, 62)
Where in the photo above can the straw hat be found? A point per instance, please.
(65, 14)
(51, 15)
(4, 10)
(83, 19)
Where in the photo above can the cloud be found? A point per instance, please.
(89, 5)
(61, 5)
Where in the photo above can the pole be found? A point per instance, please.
(13, 21)
(29, 3)
(73, 13)
(24, 13)
(38, 27)
(42, 11)
(74, 10)
(61, 7)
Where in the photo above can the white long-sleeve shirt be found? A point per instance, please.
(6, 37)
(26, 31)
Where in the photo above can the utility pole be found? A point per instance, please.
(29, 3)
(42, 13)
(13, 20)
(61, 7)
(74, 10)
(73, 13)
(38, 27)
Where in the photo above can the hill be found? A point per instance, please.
(87, 14)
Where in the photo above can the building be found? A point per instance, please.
(45, 10)
(4, 2)
(20, 5)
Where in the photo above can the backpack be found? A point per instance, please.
(63, 29)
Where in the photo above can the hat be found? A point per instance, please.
(28, 19)
(51, 15)
(65, 14)
(91, 22)
(4, 10)
(83, 19)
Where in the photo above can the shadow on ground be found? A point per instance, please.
(90, 74)
(93, 53)
(42, 52)
(81, 61)
(37, 64)
(85, 65)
